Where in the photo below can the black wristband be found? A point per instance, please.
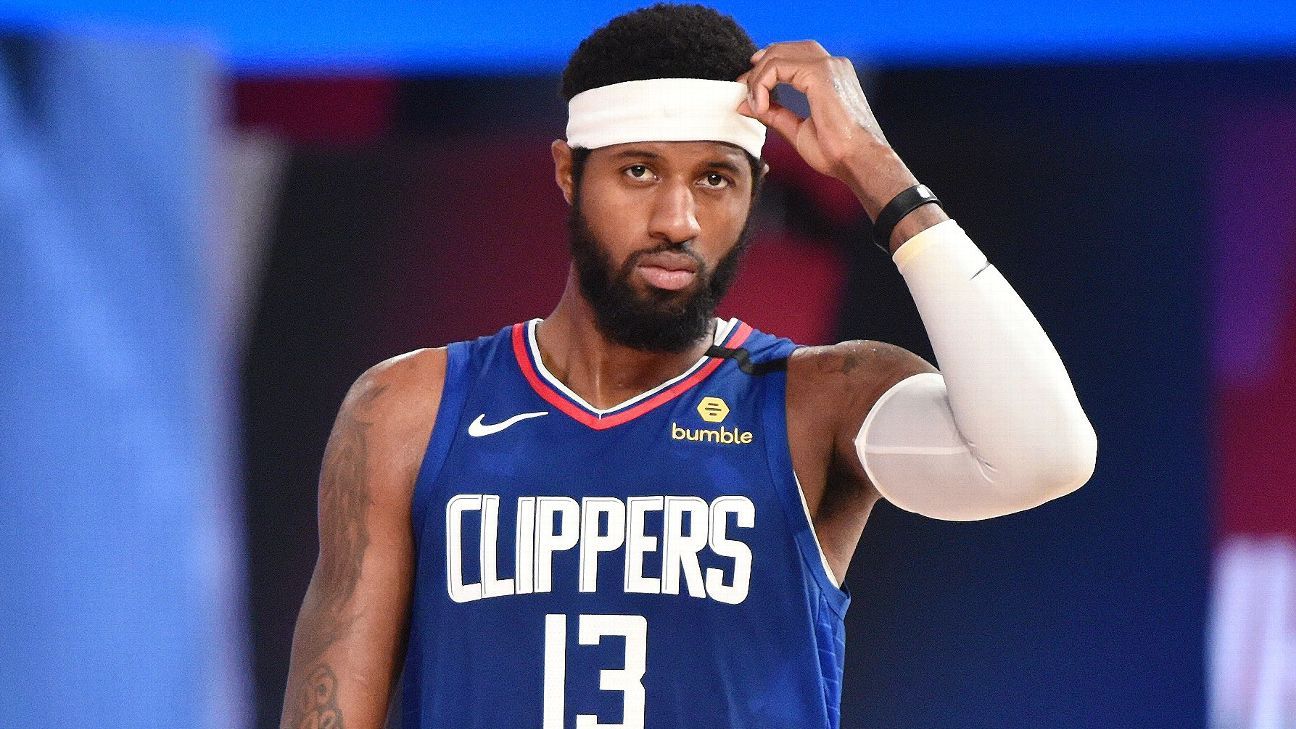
(893, 212)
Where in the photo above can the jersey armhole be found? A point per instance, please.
(454, 391)
(778, 451)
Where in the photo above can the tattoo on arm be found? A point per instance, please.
(842, 364)
(344, 537)
(316, 702)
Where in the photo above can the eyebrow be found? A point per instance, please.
(720, 164)
(636, 153)
(724, 164)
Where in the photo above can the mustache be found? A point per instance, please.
(685, 248)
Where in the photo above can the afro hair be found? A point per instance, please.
(661, 41)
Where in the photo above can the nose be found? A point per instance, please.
(674, 214)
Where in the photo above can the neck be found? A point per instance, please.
(601, 371)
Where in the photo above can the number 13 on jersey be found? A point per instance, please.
(628, 679)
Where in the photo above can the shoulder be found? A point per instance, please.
(855, 361)
(405, 379)
(388, 413)
(845, 379)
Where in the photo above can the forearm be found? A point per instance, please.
(345, 658)
(311, 694)
(876, 175)
(1003, 394)
(350, 635)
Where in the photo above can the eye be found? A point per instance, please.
(638, 172)
(715, 180)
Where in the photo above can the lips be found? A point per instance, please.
(670, 270)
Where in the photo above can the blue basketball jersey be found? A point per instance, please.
(648, 565)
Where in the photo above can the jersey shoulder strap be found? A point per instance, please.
(760, 354)
(464, 361)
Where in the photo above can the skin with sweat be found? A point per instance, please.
(639, 197)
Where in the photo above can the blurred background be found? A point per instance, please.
(214, 216)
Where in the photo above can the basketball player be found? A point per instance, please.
(632, 514)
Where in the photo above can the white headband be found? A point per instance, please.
(663, 110)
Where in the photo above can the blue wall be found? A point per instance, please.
(514, 35)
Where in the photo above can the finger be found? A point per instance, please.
(754, 89)
(746, 79)
(761, 81)
(826, 88)
(771, 71)
(782, 120)
(791, 49)
(775, 114)
(750, 102)
(806, 51)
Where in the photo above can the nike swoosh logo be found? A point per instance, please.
(477, 428)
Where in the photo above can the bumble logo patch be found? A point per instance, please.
(713, 409)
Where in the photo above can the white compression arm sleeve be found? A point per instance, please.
(1000, 429)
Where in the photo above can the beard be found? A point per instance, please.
(658, 320)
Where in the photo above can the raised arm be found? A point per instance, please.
(350, 635)
(999, 428)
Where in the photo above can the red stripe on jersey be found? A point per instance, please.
(583, 415)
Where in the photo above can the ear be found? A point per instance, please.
(562, 157)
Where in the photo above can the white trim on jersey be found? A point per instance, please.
(818, 547)
(722, 330)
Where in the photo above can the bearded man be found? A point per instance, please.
(630, 513)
